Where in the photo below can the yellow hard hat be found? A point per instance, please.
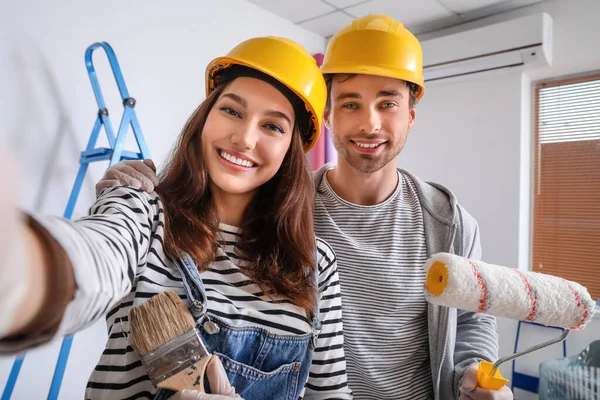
(287, 62)
(376, 45)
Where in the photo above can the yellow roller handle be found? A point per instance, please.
(487, 381)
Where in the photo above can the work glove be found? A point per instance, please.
(135, 173)
(219, 385)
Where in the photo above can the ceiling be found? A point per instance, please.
(325, 17)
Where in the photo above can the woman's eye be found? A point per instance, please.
(275, 128)
(230, 111)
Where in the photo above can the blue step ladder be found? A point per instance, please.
(114, 154)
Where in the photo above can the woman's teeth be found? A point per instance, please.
(235, 160)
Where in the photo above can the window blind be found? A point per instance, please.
(566, 195)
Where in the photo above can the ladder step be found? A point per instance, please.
(100, 154)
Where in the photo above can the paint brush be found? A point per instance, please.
(164, 335)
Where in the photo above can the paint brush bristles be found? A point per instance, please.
(158, 321)
(164, 335)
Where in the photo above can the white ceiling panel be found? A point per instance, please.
(434, 25)
(345, 3)
(463, 6)
(295, 11)
(409, 13)
(329, 24)
(420, 16)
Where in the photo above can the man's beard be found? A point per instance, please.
(367, 163)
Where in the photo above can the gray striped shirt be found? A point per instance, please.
(380, 252)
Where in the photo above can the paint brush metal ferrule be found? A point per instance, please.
(174, 356)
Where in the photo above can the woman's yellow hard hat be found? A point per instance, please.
(287, 62)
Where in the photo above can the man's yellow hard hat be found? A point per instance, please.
(376, 45)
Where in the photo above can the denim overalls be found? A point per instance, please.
(259, 364)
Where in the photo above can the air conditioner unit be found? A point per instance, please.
(525, 41)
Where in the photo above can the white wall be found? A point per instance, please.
(474, 135)
(47, 107)
(464, 136)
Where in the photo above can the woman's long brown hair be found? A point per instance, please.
(277, 238)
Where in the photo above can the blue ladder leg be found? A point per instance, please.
(12, 378)
(61, 366)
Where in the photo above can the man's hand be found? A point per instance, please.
(470, 391)
(138, 174)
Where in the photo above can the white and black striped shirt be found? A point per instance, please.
(118, 259)
(380, 251)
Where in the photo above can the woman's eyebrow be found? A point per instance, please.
(238, 99)
(278, 114)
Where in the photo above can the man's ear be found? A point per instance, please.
(413, 117)
(326, 115)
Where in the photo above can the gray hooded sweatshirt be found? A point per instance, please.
(456, 338)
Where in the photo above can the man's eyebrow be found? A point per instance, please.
(389, 93)
(348, 95)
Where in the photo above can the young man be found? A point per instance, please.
(383, 223)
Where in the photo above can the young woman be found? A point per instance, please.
(229, 230)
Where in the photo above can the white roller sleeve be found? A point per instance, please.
(507, 292)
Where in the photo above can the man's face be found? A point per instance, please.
(369, 118)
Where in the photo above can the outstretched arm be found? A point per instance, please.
(72, 272)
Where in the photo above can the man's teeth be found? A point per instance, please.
(367, 146)
(235, 160)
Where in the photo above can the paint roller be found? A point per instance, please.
(476, 286)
